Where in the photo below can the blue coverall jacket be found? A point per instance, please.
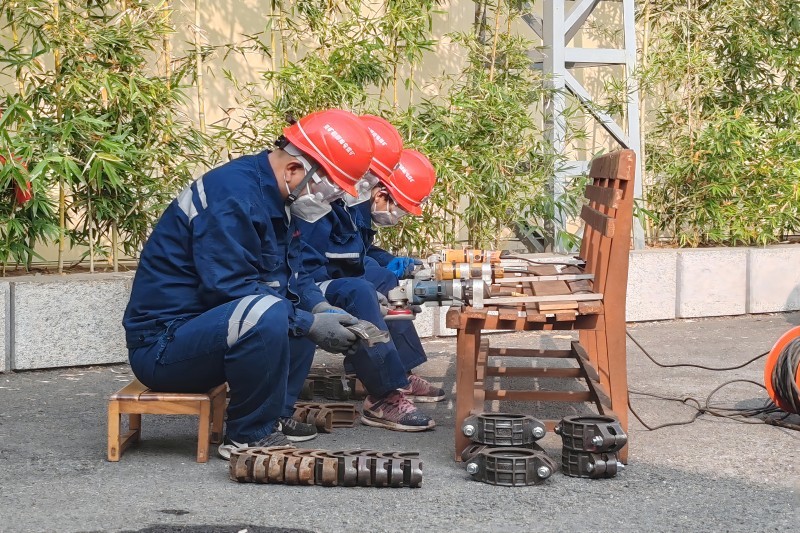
(220, 295)
(349, 279)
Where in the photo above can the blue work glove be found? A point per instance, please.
(402, 267)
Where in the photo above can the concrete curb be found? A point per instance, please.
(54, 321)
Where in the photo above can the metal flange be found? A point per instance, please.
(503, 429)
(590, 465)
(511, 467)
(593, 433)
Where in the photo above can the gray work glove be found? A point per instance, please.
(383, 302)
(325, 307)
(328, 331)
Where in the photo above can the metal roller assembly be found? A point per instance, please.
(593, 433)
(503, 429)
(510, 467)
(590, 465)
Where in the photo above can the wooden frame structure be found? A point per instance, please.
(600, 352)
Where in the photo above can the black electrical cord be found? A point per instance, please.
(690, 365)
(705, 408)
(788, 369)
(783, 376)
(510, 256)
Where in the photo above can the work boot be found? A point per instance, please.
(420, 390)
(276, 438)
(297, 431)
(395, 412)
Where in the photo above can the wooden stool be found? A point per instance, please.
(135, 400)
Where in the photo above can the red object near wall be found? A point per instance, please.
(22, 195)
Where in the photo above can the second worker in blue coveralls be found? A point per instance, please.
(338, 266)
(220, 295)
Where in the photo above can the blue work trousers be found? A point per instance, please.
(379, 368)
(403, 332)
(244, 342)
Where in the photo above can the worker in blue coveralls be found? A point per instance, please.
(219, 295)
(338, 267)
(401, 194)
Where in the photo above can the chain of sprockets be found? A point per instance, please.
(293, 466)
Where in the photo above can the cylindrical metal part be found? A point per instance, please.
(511, 467)
(504, 429)
(593, 433)
(589, 465)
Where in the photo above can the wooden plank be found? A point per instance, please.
(590, 308)
(606, 196)
(453, 318)
(553, 288)
(549, 288)
(550, 307)
(604, 224)
(529, 352)
(160, 408)
(615, 165)
(539, 372)
(513, 300)
(131, 391)
(538, 396)
(556, 277)
(468, 342)
(152, 396)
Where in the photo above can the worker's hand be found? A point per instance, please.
(328, 331)
(383, 302)
(403, 267)
(416, 309)
(325, 307)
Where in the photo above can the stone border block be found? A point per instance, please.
(651, 285)
(711, 282)
(441, 323)
(773, 279)
(425, 323)
(69, 320)
(5, 326)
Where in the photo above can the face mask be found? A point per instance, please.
(364, 188)
(388, 217)
(320, 191)
(314, 203)
(309, 208)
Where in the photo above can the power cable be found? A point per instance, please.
(690, 365)
(785, 371)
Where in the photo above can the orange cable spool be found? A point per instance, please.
(772, 361)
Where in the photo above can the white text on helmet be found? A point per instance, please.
(335, 134)
(405, 172)
(377, 137)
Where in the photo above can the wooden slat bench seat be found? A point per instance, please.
(588, 298)
(135, 400)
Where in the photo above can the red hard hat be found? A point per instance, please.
(388, 145)
(338, 141)
(412, 181)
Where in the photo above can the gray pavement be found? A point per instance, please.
(712, 475)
